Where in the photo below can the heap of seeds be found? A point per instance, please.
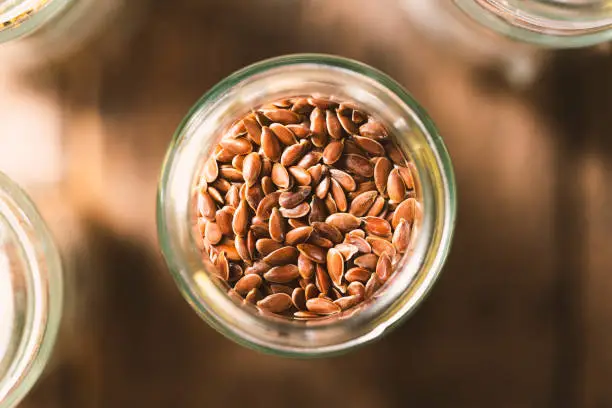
(306, 207)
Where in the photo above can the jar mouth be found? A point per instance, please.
(31, 291)
(21, 17)
(549, 23)
(276, 79)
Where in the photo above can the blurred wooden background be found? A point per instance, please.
(520, 316)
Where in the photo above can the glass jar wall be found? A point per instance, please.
(30, 293)
(281, 78)
(557, 23)
(22, 17)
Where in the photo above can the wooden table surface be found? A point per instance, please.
(521, 315)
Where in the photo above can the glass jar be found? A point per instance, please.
(280, 78)
(30, 293)
(556, 23)
(22, 17)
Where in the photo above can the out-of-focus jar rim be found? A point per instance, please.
(549, 25)
(40, 313)
(27, 16)
(183, 262)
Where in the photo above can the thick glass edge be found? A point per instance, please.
(36, 351)
(500, 25)
(442, 158)
(30, 24)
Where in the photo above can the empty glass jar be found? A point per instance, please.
(556, 23)
(30, 293)
(281, 78)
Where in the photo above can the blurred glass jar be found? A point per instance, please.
(30, 293)
(19, 18)
(554, 23)
(280, 78)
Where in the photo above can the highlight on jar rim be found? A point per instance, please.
(556, 23)
(22, 17)
(308, 194)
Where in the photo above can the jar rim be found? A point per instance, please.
(26, 16)
(294, 61)
(549, 25)
(39, 311)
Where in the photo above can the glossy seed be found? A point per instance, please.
(231, 174)
(310, 159)
(213, 232)
(395, 186)
(301, 176)
(335, 266)
(381, 246)
(381, 174)
(322, 306)
(312, 252)
(241, 247)
(346, 180)
(215, 195)
(356, 288)
(275, 303)
(251, 168)
(253, 130)
(280, 176)
(383, 267)
(266, 246)
(346, 302)
(395, 154)
(406, 177)
(362, 245)
(322, 280)
(405, 210)
(291, 199)
(237, 146)
(369, 145)
(282, 256)
(358, 274)
(294, 153)
(338, 195)
(298, 211)
(223, 266)
(300, 131)
(267, 185)
(317, 240)
(277, 226)
(311, 291)
(223, 218)
(347, 250)
(298, 297)
(282, 274)
(270, 145)
(323, 187)
(264, 209)
(347, 124)
(283, 116)
(367, 261)
(362, 203)
(374, 130)
(283, 134)
(241, 219)
(253, 195)
(377, 226)
(211, 170)
(298, 235)
(328, 231)
(206, 205)
(356, 164)
(378, 207)
(333, 152)
(343, 221)
(372, 286)
(318, 128)
(258, 268)
(247, 283)
(306, 267)
(401, 236)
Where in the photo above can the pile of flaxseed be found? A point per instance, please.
(306, 207)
